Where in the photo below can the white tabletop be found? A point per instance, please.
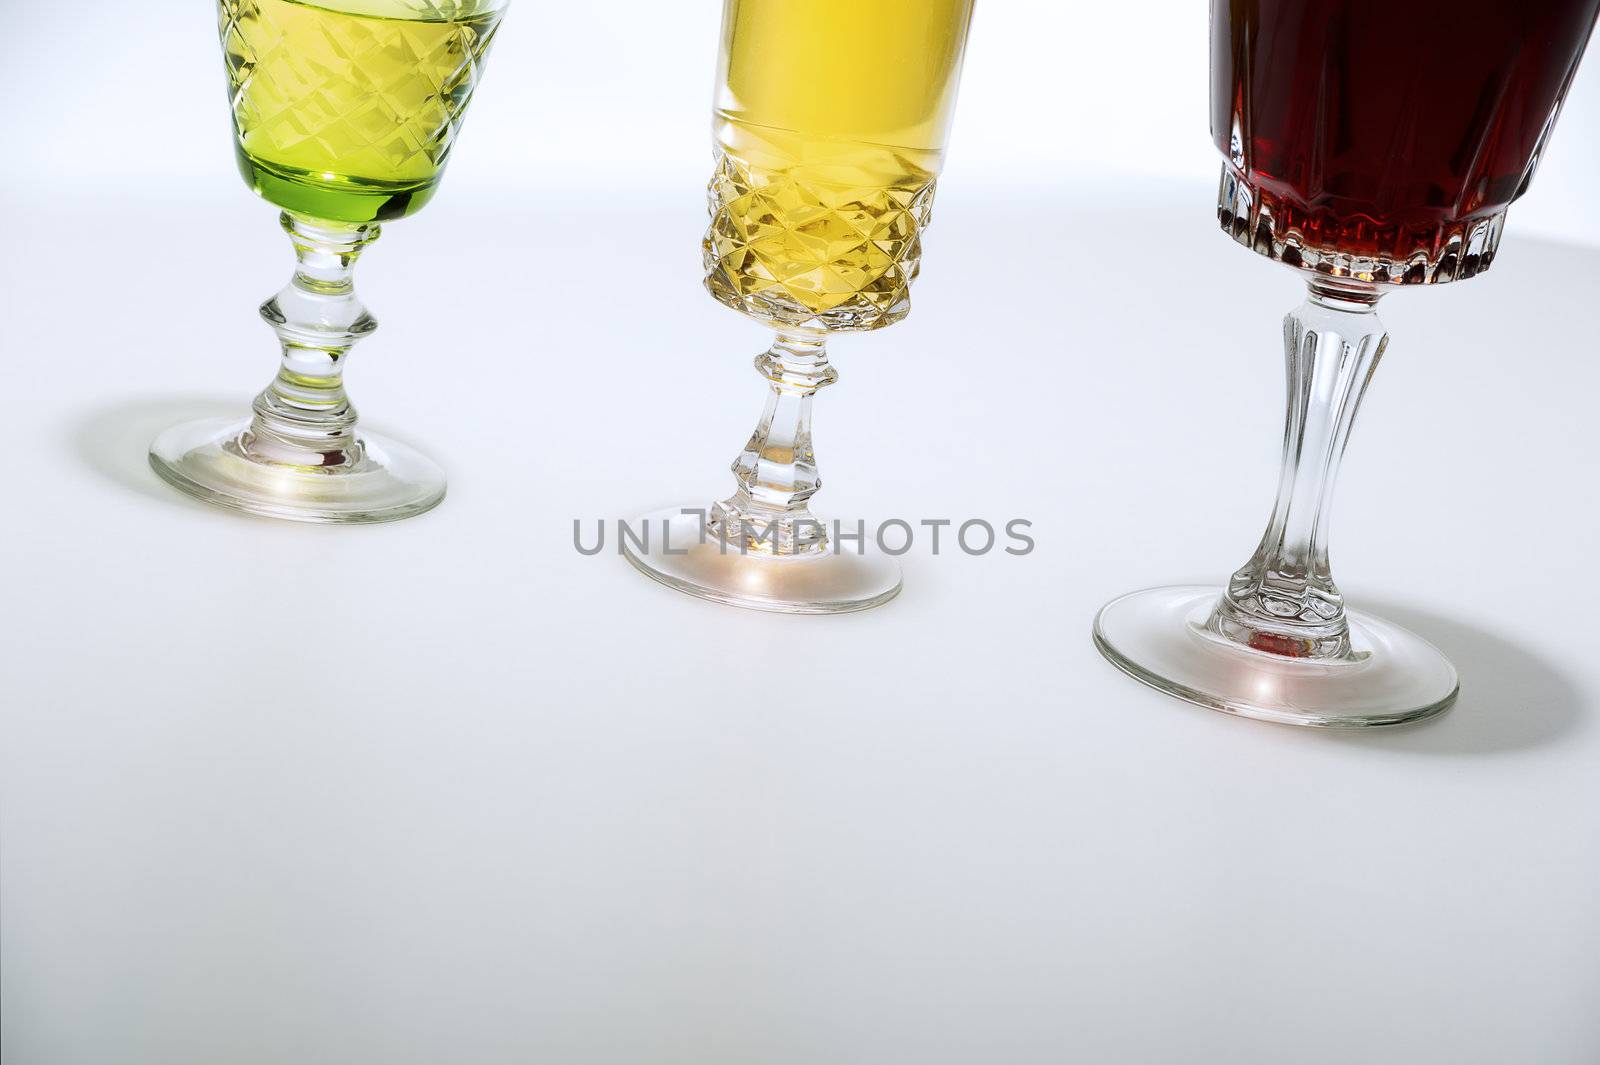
(447, 791)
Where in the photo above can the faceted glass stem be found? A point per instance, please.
(776, 473)
(301, 456)
(1284, 599)
(303, 418)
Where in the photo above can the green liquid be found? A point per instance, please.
(347, 110)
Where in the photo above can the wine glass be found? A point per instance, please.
(344, 115)
(1372, 147)
(830, 126)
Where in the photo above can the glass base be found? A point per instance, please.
(390, 482)
(820, 583)
(1158, 637)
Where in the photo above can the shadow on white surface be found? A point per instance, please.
(114, 440)
(1512, 698)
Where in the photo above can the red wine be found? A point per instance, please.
(1394, 131)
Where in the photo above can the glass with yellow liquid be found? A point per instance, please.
(344, 115)
(830, 125)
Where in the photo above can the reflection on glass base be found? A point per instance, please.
(391, 481)
(1159, 637)
(822, 583)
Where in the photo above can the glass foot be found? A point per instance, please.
(1159, 637)
(390, 482)
(821, 583)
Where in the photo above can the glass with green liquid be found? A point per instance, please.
(344, 115)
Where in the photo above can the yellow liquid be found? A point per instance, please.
(346, 109)
(830, 124)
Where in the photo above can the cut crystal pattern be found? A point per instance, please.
(354, 96)
(1270, 225)
(797, 252)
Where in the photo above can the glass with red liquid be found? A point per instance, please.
(1370, 145)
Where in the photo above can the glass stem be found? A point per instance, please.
(1284, 599)
(304, 418)
(770, 511)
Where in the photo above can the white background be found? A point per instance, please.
(444, 791)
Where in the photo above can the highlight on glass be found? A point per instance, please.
(344, 115)
(1372, 147)
(830, 125)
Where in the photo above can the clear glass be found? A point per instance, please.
(830, 127)
(344, 115)
(1371, 148)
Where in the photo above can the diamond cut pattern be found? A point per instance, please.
(791, 250)
(378, 99)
